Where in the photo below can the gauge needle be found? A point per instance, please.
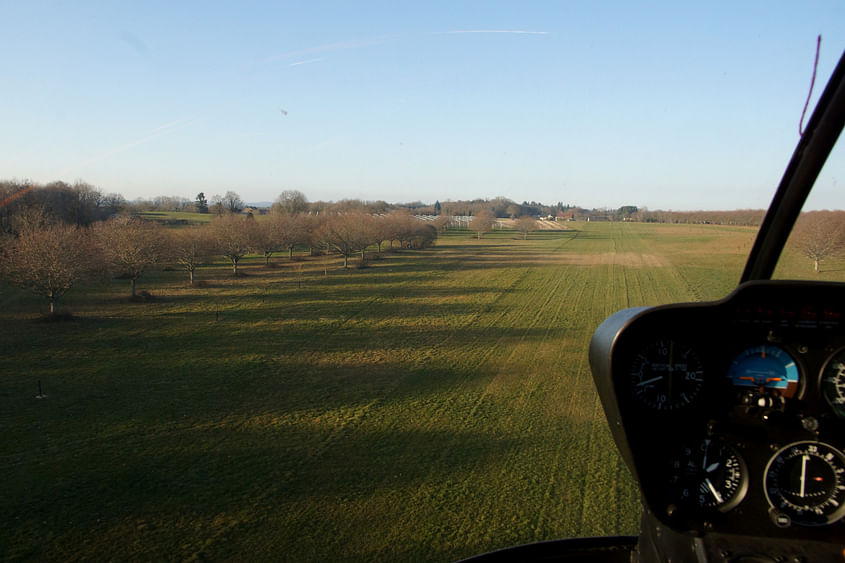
(712, 467)
(804, 459)
(713, 490)
(671, 368)
(647, 381)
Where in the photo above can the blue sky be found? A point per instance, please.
(664, 105)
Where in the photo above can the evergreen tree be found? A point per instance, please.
(201, 203)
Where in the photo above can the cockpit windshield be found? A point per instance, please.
(816, 247)
(316, 281)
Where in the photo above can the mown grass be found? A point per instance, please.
(176, 218)
(434, 405)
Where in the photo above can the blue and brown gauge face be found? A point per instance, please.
(765, 367)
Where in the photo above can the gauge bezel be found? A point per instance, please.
(797, 515)
(840, 353)
(682, 402)
(800, 385)
(737, 496)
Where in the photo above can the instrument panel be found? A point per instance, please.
(731, 415)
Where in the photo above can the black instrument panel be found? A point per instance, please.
(731, 415)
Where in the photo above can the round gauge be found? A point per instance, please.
(711, 475)
(805, 484)
(833, 383)
(765, 367)
(667, 375)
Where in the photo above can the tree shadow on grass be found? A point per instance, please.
(57, 317)
(83, 503)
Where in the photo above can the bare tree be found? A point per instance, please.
(112, 204)
(267, 236)
(189, 247)
(423, 235)
(482, 222)
(230, 203)
(373, 231)
(50, 259)
(380, 229)
(217, 206)
(442, 222)
(398, 227)
(233, 238)
(131, 245)
(290, 230)
(311, 230)
(291, 202)
(346, 234)
(819, 235)
(525, 225)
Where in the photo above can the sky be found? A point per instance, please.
(665, 105)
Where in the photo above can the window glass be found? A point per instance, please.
(816, 247)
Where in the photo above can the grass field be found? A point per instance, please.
(175, 218)
(434, 405)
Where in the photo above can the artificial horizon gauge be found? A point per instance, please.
(711, 475)
(765, 367)
(805, 484)
(833, 383)
(667, 375)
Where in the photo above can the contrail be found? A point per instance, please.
(157, 132)
(305, 62)
(171, 124)
(518, 31)
(149, 136)
(316, 50)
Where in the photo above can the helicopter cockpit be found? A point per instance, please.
(730, 415)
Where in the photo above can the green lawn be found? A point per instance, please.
(434, 405)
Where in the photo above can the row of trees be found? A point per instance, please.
(51, 257)
(230, 202)
(83, 204)
(744, 217)
(500, 207)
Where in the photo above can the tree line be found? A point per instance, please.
(81, 204)
(56, 235)
(51, 256)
